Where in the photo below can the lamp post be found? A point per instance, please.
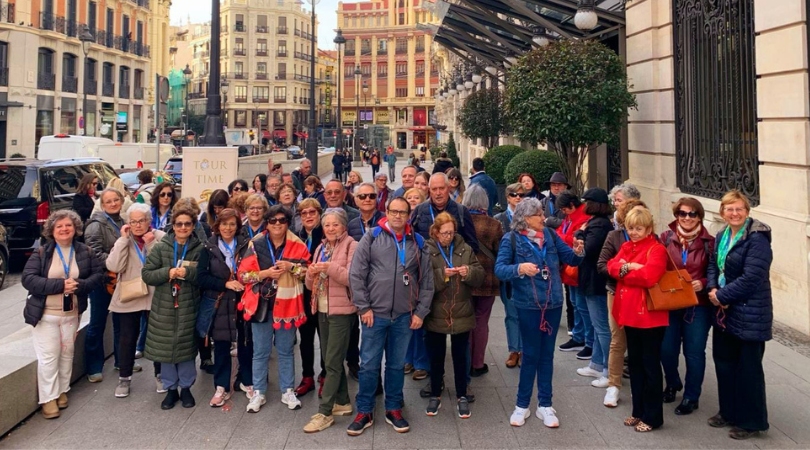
(187, 79)
(223, 87)
(87, 39)
(365, 109)
(358, 160)
(312, 140)
(339, 41)
(214, 137)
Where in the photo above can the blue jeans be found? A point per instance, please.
(141, 345)
(417, 352)
(391, 336)
(537, 361)
(690, 326)
(264, 335)
(513, 341)
(598, 312)
(94, 339)
(583, 329)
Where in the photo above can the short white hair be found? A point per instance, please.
(142, 208)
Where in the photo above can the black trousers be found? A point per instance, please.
(204, 347)
(244, 352)
(569, 309)
(307, 345)
(740, 380)
(353, 354)
(646, 375)
(436, 344)
(223, 365)
(130, 328)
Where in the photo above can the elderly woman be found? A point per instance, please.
(58, 278)
(422, 182)
(620, 194)
(101, 232)
(456, 272)
(162, 201)
(313, 188)
(456, 183)
(216, 203)
(489, 233)
(255, 208)
(414, 197)
(85, 199)
(132, 298)
(691, 247)
(639, 265)
(312, 234)
(171, 268)
(618, 340)
(288, 198)
(353, 181)
(221, 292)
(277, 266)
(328, 278)
(514, 194)
(739, 286)
(531, 258)
(119, 186)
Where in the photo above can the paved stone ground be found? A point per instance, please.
(96, 419)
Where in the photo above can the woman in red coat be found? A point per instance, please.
(639, 265)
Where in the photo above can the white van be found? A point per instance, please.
(63, 146)
(118, 155)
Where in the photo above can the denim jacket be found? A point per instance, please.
(533, 292)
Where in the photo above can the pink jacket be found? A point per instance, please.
(337, 282)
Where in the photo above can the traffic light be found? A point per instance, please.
(250, 133)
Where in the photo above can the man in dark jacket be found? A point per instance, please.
(556, 185)
(442, 163)
(424, 214)
(366, 198)
(299, 175)
(480, 177)
(335, 197)
(392, 286)
(337, 165)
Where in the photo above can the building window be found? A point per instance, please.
(402, 69)
(365, 69)
(239, 70)
(365, 46)
(382, 70)
(46, 79)
(349, 49)
(345, 22)
(715, 99)
(280, 94)
(261, 94)
(401, 19)
(402, 45)
(420, 67)
(402, 92)
(420, 43)
(240, 94)
(240, 119)
(420, 91)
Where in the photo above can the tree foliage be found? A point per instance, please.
(451, 151)
(497, 158)
(482, 116)
(570, 95)
(540, 163)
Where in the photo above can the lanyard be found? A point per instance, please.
(400, 251)
(550, 204)
(309, 242)
(432, 217)
(684, 254)
(141, 255)
(566, 226)
(455, 195)
(272, 252)
(509, 214)
(117, 228)
(250, 230)
(65, 264)
(626, 236)
(324, 256)
(539, 253)
(232, 251)
(449, 260)
(183, 257)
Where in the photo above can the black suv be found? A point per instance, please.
(31, 189)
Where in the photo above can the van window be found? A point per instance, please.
(14, 184)
(104, 173)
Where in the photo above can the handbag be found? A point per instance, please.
(673, 291)
(267, 298)
(132, 289)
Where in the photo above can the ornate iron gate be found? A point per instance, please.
(614, 165)
(715, 97)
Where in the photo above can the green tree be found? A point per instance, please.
(451, 151)
(496, 160)
(482, 116)
(570, 95)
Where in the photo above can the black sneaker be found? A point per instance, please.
(434, 404)
(187, 398)
(427, 392)
(207, 366)
(395, 419)
(464, 408)
(585, 353)
(170, 400)
(480, 371)
(354, 371)
(361, 422)
(571, 346)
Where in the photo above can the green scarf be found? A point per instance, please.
(727, 242)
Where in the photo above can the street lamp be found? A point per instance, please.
(87, 39)
(339, 41)
(312, 140)
(214, 136)
(187, 78)
(223, 87)
(357, 76)
(365, 107)
(586, 19)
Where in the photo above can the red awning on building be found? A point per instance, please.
(265, 134)
(302, 135)
(280, 134)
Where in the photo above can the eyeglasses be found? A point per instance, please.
(166, 194)
(447, 233)
(395, 212)
(516, 194)
(371, 196)
(683, 214)
(256, 208)
(734, 210)
(332, 192)
(277, 220)
(309, 212)
(134, 223)
(183, 224)
(113, 201)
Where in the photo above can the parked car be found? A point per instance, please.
(32, 189)
(174, 167)
(294, 152)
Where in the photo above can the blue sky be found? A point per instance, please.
(200, 11)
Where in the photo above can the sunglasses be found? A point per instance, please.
(237, 188)
(371, 196)
(183, 224)
(166, 194)
(515, 194)
(691, 214)
(309, 212)
(452, 178)
(279, 220)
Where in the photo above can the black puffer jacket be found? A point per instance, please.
(212, 279)
(442, 164)
(100, 233)
(35, 279)
(591, 281)
(747, 293)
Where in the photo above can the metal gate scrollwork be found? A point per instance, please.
(715, 97)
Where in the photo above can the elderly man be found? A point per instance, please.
(299, 175)
(424, 214)
(408, 176)
(480, 177)
(383, 191)
(366, 199)
(556, 185)
(335, 197)
(286, 178)
(271, 191)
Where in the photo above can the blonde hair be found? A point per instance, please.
(639, 217)
(356, 173)
(734, 196)
(415, 191)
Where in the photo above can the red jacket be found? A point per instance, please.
(630, 302)
(570, 225)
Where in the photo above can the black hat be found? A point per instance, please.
(558, 177)
(596, 194)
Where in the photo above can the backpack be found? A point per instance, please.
(508, 284)
(375, 160)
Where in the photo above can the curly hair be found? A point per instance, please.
(237, 201)
(185, 208)
(56, 216)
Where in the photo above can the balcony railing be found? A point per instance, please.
(382, 51)
(195, 95)
(261, 52)
(402, 74)
(202, 54)
(279, 99)
(261, 99)
(138, 93)
(261, 76)
(364, 51)
(240, 99)
(4, 76)
(303, 56)
(299, 77)
(281, 53)
(239, 76)
(108, 89)
(348, 52)
(261, 28)
(281, 30)
(91, 87)
(401, 50)
(420, 49)
(239, 52)
(239, 27)
(297, 32)
(7, 12)
(70, 84)
(123, 91)
(281, 76)
(46, 81)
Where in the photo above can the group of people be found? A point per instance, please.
(378, 272)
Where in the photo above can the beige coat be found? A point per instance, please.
(124, 261)
(340, 304)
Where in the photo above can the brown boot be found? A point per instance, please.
(62, 401)
(50, 410)
(513, 360)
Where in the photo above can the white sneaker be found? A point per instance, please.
(519, 416)
(290, 399)
(249, 392)
(256, 402)
(612, 397)
(601, 382)
(588, 372)
(159, 386)
(549, 416)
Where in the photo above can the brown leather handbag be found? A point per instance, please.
(673, 291)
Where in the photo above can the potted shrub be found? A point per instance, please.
(540, 163)
(496, 159)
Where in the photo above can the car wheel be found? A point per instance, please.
(3, 268)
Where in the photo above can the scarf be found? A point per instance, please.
(322, 286)
(535, 236)
(687, 236)
(727, 242)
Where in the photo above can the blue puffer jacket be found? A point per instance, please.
(523, 287)
(749, 315)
